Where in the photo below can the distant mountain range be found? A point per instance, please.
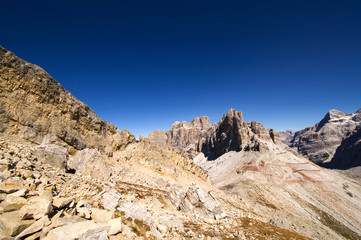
(334, 142)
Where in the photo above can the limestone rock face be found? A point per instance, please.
(80, 230)
(319, 143)
(232, 133)
(37, 108)
(348, 154)
(183, 136)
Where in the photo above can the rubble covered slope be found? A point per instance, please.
(66, 174)
(248, 161)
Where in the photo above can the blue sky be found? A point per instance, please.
(143, 66)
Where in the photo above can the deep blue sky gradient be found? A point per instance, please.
(143, 65)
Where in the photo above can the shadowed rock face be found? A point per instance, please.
(37, 108)
(225, 136)
(348, 154)
(319, 143)
(232, 133)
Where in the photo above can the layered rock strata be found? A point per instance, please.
(348, 153)
(319, 143)
(37, 108)
(183, 136)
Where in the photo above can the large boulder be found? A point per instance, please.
(12, 203)
(11, 223)
(79, 230)
(33, 228)
(194, 197)
(54, 155)
(36, 207)
(109, 199)
(90, 162)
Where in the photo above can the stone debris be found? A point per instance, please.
(60, 203)
(36, 208)
(109, 199)
(115, 226)
(79, 230)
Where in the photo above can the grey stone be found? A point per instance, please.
(109, 199)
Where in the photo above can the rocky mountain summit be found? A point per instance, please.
(67, 174)
(320, 142)
(183, 136)
(245, 159)
(231, 133)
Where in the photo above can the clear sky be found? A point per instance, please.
(143, 65)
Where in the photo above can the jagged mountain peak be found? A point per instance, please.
(320, 142)
(231, 133)
(202, 122)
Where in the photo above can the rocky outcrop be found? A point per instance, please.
(348, 154)
(319, 143)
(37, 108)
(232, 133)
(286, 136)
(195, 198)
(183, 136)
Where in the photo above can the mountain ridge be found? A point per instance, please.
(320, 142)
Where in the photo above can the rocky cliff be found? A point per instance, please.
(319, 143)
(37, 108)
(231, 133)
(250, 163)
(348, 153)
(183, 136)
